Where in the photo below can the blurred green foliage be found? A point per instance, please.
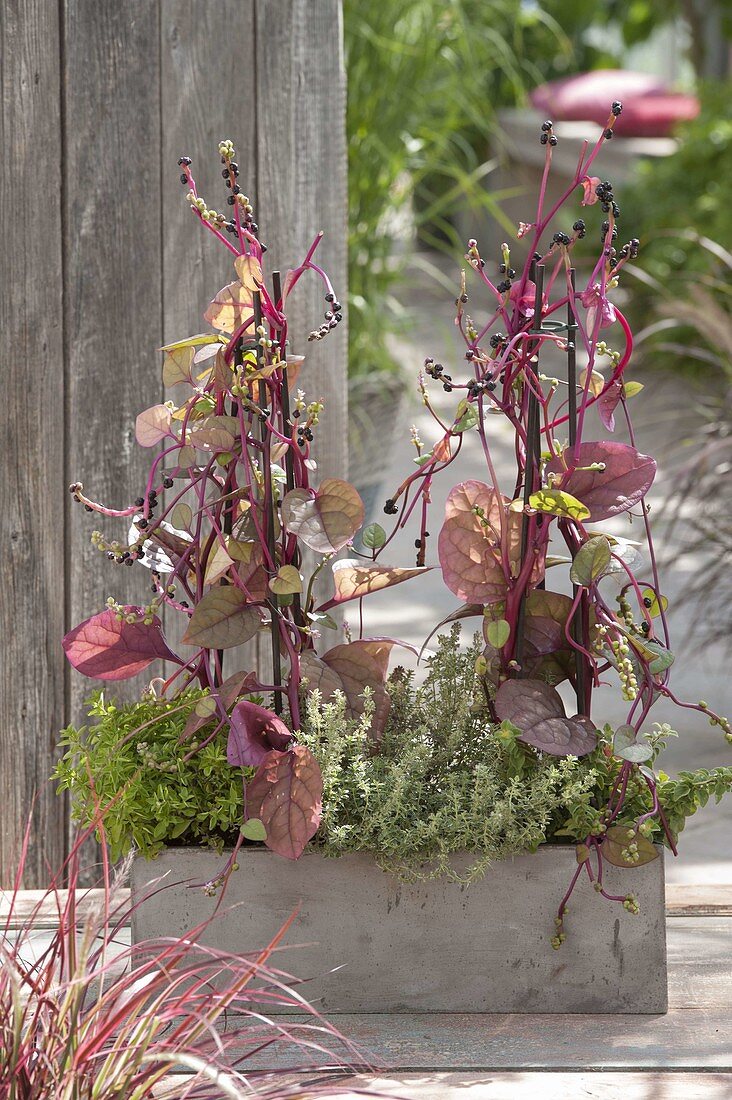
(679, 208)
(425, 78)
(689, 189)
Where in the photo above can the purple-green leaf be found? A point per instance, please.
(253, 732)
(222, 619)
(286, 796)
(469, 545)
(616, 842)
(537, 710)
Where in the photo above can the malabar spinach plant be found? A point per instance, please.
(219, 527)
(494, 542)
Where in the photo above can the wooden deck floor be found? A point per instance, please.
(684, 1055)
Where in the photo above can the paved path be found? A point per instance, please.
(661, 412)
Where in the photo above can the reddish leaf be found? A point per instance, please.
(229, 309)
(253, 732)
(319, 676)
(325, 520)
(625, 480)
(106, 648)
(286, 796)
(537, 710)
(152, 425)
(469, 546)
(354, 578)
(547, 655)
(235, 685)
(249, 270)
(607, 402)
(350, 668)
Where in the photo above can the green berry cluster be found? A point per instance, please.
(560, 935)
(626, 670)
(631, 904)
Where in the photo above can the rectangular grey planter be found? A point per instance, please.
(429, 946)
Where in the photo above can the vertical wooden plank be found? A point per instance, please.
(113, 282)
(301, 188)
(31, 429)
(207, 90)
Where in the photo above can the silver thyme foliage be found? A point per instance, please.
(444, 779)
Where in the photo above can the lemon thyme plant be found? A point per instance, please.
(219, 527)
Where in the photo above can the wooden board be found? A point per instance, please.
(100, 261)
(548, 1086)
(301, 123)
(706, 899)
(113, 283)
(681, 1041)
(208, 93)
(522, 1086)
(32, 490)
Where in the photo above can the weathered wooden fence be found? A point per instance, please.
(101, 263)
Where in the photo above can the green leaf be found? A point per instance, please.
(222, 619)
(467, 416)
(254, 829)
(630, 389)
(616, 842)
(287, 582)
(625, 745)
(559, 503)
(591, 561)
(659, 658)
(583, 853)
(637, 754)
(181, 516)
(205, 707)
(323, 618)
(374, 536)
(497, 633)
(194, 341)
(655, 606)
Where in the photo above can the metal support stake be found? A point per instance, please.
(287, 430)
(230, 505)
(580, 619)
(532, 450)
(268, 515)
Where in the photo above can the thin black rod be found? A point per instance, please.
(532, 450)
(272, 602)
(572, 362)
(580, 618)
(230, 505)
(287, 430)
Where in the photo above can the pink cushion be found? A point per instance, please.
(649, 109)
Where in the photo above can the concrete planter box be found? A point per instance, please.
(430, 946)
